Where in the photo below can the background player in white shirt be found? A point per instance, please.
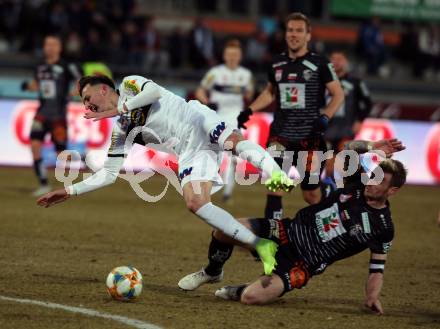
(150, 114)
(225, 88)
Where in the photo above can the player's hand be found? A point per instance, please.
(243, 117)
(101, 115)
(320, 125)
(375, 306)
(389, 146)
(53, 197)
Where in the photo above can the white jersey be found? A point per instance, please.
(227, 88)
(167, 123)
(167, 120)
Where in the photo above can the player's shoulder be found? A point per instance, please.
(316, 58)
(279, 60)
(133, 84)
(244, 71)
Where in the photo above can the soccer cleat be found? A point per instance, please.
(267, 249)
(43, 189)
(230, 292)
(279, 181)
(194, 280)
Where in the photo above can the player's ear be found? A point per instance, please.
(104, 90)
(393, 190)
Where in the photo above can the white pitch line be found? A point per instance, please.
(86, 311)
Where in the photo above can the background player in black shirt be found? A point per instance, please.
(347, 121)
(345, 223)
(52, 80)
(298, 81)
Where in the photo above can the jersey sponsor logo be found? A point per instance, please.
(131, 87)
(215, 134)
(366, 222)
(185, 172)
(48, 89)
(292, 95)
(329, 223)
(278, 75)
(310, 65)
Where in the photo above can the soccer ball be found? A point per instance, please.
(124, 283)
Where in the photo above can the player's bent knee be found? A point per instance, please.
(251, 297)
(193, 204)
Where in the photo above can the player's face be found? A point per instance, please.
(232, 57)
(382, 191)
(94, 98)
(52, 47)
(340, 63)
(297, 36)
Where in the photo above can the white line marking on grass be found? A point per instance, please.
(86, 311)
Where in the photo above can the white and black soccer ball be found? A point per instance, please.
(124, 283)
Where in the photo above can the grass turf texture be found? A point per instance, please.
(63, 254)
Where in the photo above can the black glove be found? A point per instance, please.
(212, 106)
(243, 117)
(24, 86)
(320, 125)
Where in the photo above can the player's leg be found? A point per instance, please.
(219, 251)
(229, 178)
(264, 290)
(311, 184)
(38, 131)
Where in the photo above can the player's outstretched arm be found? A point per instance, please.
(388, 146)
(53, 197)
(375, 282)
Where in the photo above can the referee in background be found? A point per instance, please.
(298, 80)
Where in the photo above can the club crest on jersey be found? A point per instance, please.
(215, 134)
(131, 87)
(278, 75)
(344, 197)
(307, 74)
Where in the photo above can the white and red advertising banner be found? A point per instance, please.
(422, 139)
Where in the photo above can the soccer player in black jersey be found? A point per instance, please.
(298, 80)
(347, 121)
(51, 80)
(348, 221)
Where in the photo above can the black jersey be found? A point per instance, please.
(300, 86)
(53, 81)
(357, 107)
(338, 227)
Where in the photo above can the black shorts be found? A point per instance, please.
(290, 266)
(57, 129)
(309, 145)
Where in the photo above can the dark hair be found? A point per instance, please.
(94, 80)
(298, 17)
(397, 171)
(233, 43)
(54, 36)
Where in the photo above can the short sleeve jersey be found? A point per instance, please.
(300, 86)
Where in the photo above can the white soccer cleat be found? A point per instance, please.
(43, 189)
(194, 280)
(229, 292)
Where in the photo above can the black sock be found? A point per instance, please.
(40, 171)
(219, 252)
(274, 207)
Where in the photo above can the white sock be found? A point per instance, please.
(230, 176)
(223, 221)
(257, 156)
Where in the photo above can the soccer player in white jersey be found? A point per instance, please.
(150, 114)
(224, 89)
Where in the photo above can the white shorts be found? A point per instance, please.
(202, 156)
